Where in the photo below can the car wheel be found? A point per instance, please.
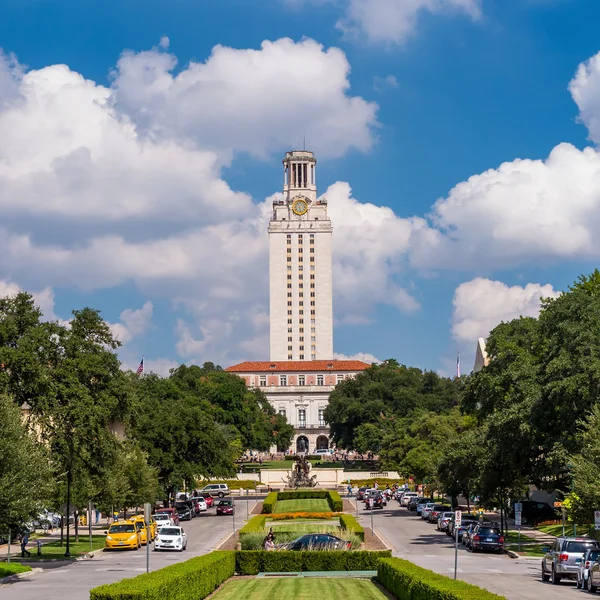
(591, 588)
(554, 578)
(221, 495)
(545, 576)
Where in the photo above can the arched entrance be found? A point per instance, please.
(322, 443)
(302, 444)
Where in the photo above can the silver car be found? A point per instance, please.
(426, 510)
(563, 560)
(589, 558)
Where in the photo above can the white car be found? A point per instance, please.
(171, 538)
(407, 497)
(201, 503)
(162, 520)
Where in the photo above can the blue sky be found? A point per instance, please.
(134, 178)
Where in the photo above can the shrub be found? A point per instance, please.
(193, 579)
(303, 515)
(350, 524)
(333, 498)
(260, 561)
(407, 581)
(255, 524)
(269, 503)
(7, 569)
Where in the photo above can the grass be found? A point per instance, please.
(7, 569)
(55, 550)
(306, 505)
(529, 550)
(299, 589)
(557, 530)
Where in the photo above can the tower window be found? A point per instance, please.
(312, 236)
(289, 321)
(319, 379)
(301, 285)
(301, 380)
(302, 348)
(300, 276)
(312, 294)
(312, 276)
(289, 357)
(340, 378)
(301, 330)
(289, 276)
(289, 302)
(289, 330)
(289, 238)
(312, 302)
(301, 294)
(313, 356)
(301, 321)
(302, 357)
(300, 250)
(289, 350)
(289, 250)
(289, 313)
(289, 259)
(289, 286)
(301, 339)
(289, 293)
(301, 303)
(262, 381)
(289, 339)
(300, 237)
(299, 259)
(312, 312)
(312, 249)
(283, 379)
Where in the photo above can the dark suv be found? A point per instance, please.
(534, 512)
(487, 536)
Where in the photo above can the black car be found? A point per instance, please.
(316, 541)
(184, 512)
(487, 536)
(361, 493)
(378, 501)
(534, 512)
(465, 522)
(418, 503)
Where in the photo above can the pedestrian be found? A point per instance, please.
(24, 542)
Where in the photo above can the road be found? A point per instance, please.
(413, 539)
(73, 580)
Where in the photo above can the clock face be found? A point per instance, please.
(300, 206)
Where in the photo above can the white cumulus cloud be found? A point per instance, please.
(481, 304)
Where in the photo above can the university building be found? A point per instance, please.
(302, 372)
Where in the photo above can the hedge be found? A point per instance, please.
(407, 581)
(193, 579)
(7, 569)
(251, 562)
(333, 498)
(254, 525)
(349, 523)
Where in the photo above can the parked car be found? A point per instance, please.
(225, 507)
(378, 495)
(534, 512)
(444, 520)
(123, 535)
(467, 532)
(316, 541)
(200, 504)
(591, 556)
(564, 558)
(408, 497)
(207, 498)
(435, 512)
(171, 538)
(141, 524)
(427, 508)
(466, 520)
(378, 501)
(361, 493)
(184, 513)
(487, 536)
(417, 504)
(216, 490)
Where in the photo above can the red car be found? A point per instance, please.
(172, 512)
(209, 499)
(225, 507)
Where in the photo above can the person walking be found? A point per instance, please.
(24, 542)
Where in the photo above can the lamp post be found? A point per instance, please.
(572, 486)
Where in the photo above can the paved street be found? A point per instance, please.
(74, 580)
(413, 539)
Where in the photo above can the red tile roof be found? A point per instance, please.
(298, 365)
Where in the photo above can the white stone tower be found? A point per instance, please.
(300, 269)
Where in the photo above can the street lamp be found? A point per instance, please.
(572, 486)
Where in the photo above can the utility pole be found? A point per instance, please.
(68, 548)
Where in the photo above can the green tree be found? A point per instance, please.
(25, 477)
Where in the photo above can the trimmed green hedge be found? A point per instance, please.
(334, 500)
(193, 579)
(269, 503)
(251, 562)
(7, 569)
(256, 524)
(407, 581)
(349, 523)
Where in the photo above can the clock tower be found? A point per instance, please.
(300, 268)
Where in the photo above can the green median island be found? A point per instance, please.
(299, 589)
(287, 506)
(303, 501)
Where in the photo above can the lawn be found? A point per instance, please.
(7, 569)
(299, 589)
(306, 505)
(557, 530)
(55, 550)
(301, 528)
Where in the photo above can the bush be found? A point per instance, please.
(407, 581)
(7, 569)
(261, 561)
(303, 515)
(255, 524)
(193, 579)
(333, 498)
(349, 523)
(269, 503)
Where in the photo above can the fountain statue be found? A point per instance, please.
(300, 474)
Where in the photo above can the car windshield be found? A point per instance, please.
(161, 517)
(225, 503)
(580, 546)
(448, 515)
(489, 531)
(594, 554)
(169, 531)
(125, 528)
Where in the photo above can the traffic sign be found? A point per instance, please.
(558, 504)
(597, 519)
(457, 518)
(518, 507)
(518, 518)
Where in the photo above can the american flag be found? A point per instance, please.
(457, 364)
(140, 369)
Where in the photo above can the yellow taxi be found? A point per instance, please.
(141, 525)
(123, 535)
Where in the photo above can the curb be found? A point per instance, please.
(17, 576)
(90, 555)
(519, 557)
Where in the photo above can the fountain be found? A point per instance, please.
(300, 474)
